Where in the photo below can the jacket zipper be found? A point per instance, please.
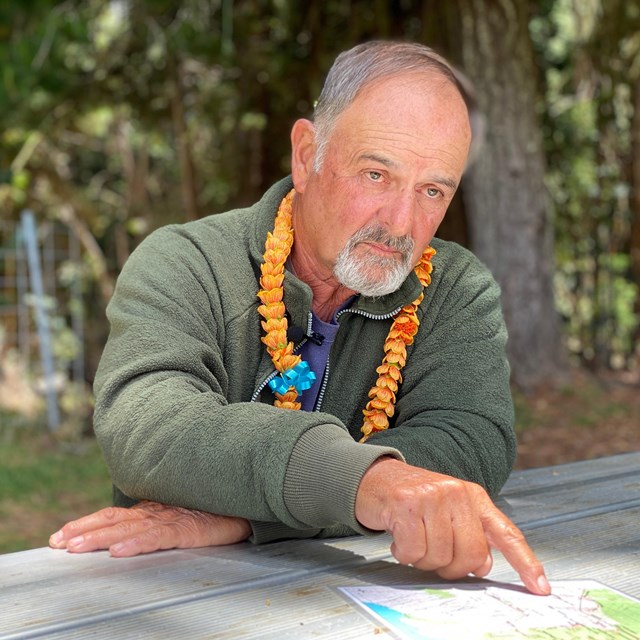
(323, 388)
(325, 378)
(371, 316)
(366, 314)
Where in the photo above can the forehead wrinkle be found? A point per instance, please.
(400, 140)
(387, 161)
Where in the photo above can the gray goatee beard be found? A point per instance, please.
(372, 275)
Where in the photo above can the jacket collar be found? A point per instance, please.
(297, 294)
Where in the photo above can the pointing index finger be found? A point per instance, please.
(504, 535)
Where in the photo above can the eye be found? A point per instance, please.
(432, 192)
(375, 176)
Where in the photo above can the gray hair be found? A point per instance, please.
(365, 63)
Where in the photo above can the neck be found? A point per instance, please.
(328, 294)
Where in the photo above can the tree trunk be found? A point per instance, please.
(505, 196)
(188, 185)
(634, 242)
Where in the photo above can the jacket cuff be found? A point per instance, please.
(323, 476)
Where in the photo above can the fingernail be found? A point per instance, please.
(543, 585)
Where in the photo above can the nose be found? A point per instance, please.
(397, 212)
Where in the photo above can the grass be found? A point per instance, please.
(45, 482)
(587, 418)
(583, 403)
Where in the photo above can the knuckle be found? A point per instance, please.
(427, 563)
(70, 528)
(404, 495)
(478, 492)
(453, 572)
(152, 539)
(405, 555)
(477, 559)
(128, 528)
(441, 558)
(448, 488)
(113, 513)
(155, 534)
(459, 567)
(512, 534)
(454, 490)
(100, 518)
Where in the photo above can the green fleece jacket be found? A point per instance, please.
(184, 416)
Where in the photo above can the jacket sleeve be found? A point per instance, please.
(166, 428)
(454, 412)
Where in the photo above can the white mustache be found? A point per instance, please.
(403, 244)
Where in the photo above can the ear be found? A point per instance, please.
(303, 151)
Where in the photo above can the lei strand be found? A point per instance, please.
(292, 368)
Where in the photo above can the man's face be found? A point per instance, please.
(391, 167)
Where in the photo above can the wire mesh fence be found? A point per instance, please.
(41, 304)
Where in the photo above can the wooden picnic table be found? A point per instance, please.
(582, 519)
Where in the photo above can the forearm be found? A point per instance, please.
(454, 413)
(244, 459)
(464, 427)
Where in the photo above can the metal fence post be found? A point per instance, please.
(42, 320)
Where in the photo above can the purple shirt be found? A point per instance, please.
(317, 355)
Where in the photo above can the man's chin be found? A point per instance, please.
(377, 292)
(373, 287)
(372, 276)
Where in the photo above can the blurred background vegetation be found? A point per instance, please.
(119, 116)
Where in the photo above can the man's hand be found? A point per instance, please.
(442, 524)
(146, 527)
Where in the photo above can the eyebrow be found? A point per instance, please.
(447, 182)
(392, 164)
(387, 162)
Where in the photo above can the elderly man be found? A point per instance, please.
(312, 365)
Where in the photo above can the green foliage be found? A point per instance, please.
(121, 116)
(587, 119)
(45, 483)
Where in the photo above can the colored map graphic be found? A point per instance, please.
(576, 610)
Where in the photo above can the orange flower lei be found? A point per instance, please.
(381, 405)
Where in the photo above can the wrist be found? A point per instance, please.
(371, 492)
